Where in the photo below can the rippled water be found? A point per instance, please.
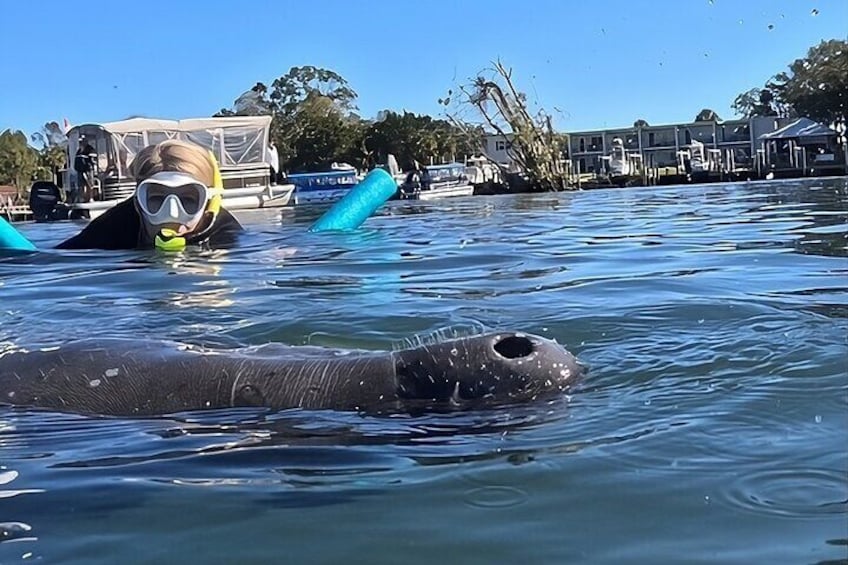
(712, 426)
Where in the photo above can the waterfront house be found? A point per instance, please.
(731, 144)
(731, 147)
(497, 148)
(803, 146)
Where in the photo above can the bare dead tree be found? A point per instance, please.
(534, 146)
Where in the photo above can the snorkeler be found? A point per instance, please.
(177, 202)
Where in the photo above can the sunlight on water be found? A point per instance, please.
(712, 423)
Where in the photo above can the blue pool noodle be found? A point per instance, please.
(10, 238)
(358, 204)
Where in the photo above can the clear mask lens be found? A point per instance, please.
(171, 198)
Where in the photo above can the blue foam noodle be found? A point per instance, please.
(359, 204)
(10, 238)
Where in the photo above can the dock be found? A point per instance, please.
(16, 213)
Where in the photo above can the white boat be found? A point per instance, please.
(622, 163)
(622, 167)
(481, 171)
(436, 181)
(699, 162)
(239, 143)
(619, 164)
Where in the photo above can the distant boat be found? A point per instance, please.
(484, 175)
(698, 162)
(623, 167)
(323, 187)
(436, 181)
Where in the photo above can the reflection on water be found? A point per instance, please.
(712, 318)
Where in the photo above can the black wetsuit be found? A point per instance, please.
(120, 228)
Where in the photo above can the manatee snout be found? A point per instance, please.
(493, 367)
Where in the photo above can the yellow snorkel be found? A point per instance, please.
(170, 240)
(217, 187)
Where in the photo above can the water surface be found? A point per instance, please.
(711, 428)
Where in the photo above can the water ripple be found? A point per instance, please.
(790, 492)
(495, 497)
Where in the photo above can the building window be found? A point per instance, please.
(501, 145)
(582, 146)
(582, 167)
(596, 143)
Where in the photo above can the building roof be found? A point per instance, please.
(802, 127)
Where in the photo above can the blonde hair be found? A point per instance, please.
(174, 155)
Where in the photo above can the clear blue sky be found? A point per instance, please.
(603, 64)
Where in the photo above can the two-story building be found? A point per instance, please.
(734, 143)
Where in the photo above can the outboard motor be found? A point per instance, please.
(45, 201)
(412, 186)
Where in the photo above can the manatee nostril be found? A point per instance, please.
(513, 347)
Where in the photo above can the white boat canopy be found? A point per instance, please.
(237, 141)
(802, 128)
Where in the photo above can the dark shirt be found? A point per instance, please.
(83, 159)
(120, 228)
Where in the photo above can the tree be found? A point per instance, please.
(300, 83)
(707, 115)
(755, 102)
(410, 137)
(52, 155)
(535, 147)
(816, 86)
(318, 135)
(252, 102)
(18, 161)
(640, 123)
(313, 116)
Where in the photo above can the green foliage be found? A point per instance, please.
(18, 161)
(52, 155)
(755, 102)
(816, 86)
(410, 138)
(316, 134)
(252, 102)
(314, 123)
(301, 83)
(313, 120)
(640, 123)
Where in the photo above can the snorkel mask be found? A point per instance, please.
(171, 197)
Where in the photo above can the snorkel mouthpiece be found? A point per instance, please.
(169, 240)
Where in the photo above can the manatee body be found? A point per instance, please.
(141, 378)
